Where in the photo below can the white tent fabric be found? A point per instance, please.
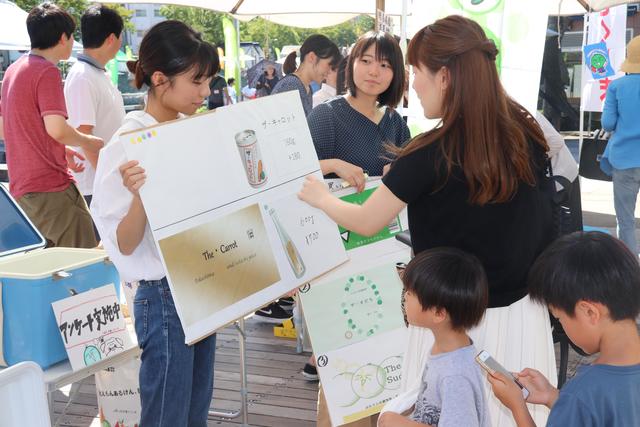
(317, 14)
(13, 31)
(603, 4)
(295, 13)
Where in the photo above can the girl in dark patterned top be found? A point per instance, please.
(350, 133)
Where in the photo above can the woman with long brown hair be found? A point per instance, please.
(476, 182)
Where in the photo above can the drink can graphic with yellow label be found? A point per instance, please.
(251, 157)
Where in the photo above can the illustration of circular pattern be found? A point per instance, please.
(361, 307)
(368, 381)
(91, 355)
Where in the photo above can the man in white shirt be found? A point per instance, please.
(94, 104)
(328, 89)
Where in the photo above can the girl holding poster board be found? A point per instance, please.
(476, 182)
(350, 132)
(176, 380)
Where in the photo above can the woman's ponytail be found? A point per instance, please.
(290, 65)
(139, 77)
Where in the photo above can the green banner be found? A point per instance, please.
(352, 240)
(231, 68)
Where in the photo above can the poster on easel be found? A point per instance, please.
(354, 318)
(221, 201)
(358, 336)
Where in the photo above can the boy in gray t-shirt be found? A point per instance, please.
(452, 391)
(446, 291)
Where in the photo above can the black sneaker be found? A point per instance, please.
(310, 372)
(272, 313)
(286, 304)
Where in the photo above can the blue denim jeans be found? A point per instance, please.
(626, 184)
(176, 380)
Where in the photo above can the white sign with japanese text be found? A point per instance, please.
(221, 201)
(92, 326)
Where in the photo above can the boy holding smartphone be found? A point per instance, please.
(591, 283)
(446, 291)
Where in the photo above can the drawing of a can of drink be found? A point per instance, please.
(251, 157)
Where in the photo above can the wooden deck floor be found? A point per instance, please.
(278, 394)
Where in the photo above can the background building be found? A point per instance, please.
(144, 17)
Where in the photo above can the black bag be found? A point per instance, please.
(590, 155)
(567, 215)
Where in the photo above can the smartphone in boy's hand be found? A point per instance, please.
(490, 365)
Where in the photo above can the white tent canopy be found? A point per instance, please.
(317, 14)
(297, 13)
(13, 30)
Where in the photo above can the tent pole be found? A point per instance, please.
(238, 72)
(379, 6)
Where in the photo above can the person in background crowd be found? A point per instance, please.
(231, 90)
(267, 81)
(341, 77)
(33, 124)
(94, 104)
(219, 96)
(328, 89)
(318, 55)
(621, 158)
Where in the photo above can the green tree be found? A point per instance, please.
(76, 8)
(206, 22)
(272, 35)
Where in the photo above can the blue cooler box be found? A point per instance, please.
(32, 278)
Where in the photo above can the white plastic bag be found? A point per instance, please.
(118, 394)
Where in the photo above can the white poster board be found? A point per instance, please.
(92, 326)
(358, 336)
(221, 201)
(354, 319)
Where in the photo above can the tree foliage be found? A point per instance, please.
(206, 22)
(76, 8)
(269, 34)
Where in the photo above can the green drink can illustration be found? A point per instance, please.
(251, 157)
